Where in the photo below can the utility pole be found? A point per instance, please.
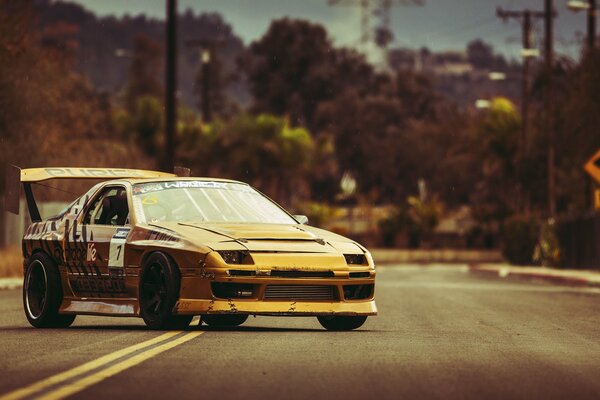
(591, 25)
(525, 84)
(549, 58)
(168, 161)
(549, 32)
(525, 17)
(591, 42)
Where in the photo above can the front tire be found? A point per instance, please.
(159, 291)
(224, 320)
(42, 294)
(341, 323)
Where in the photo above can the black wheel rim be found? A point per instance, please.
(36, 289)
(154, 290)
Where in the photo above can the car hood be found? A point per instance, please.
(261, 237)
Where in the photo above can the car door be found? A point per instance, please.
(101, 236)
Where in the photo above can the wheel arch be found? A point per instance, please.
(35, 251)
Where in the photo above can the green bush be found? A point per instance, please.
(519, 238)
(547, 251)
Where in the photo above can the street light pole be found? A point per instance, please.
(168, 161)
(208, 49)
(206, 64)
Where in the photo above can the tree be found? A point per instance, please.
(572, 117)
(263, 150)
(481, 56)
(148, 123)
(146, 64)
(289, 69)
(49, 114)
(498, 194)
(373, 130)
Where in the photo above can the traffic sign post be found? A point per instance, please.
(592, 167)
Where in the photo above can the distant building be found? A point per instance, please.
(458, 75)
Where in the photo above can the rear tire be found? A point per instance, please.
(158, 292)
(42, 294)
(341, 323)
(224, 320)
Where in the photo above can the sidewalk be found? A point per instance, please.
(400, 256)
(557, 276)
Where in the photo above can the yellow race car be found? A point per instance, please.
(166, 248)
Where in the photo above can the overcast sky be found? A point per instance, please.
(439, 24)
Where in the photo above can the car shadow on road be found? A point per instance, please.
(251, 329)
(142, 328)
(265, 329)
(193, 327)
(25, 329)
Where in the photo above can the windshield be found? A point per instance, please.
(204, 201)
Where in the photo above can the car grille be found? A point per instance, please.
(300, 292)
(286, 273)
(302, 274)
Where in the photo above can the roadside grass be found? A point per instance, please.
(11, 262)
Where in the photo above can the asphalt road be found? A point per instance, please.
(441, 333)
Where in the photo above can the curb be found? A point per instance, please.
(428, 256)
(11, 283)
(532, 274)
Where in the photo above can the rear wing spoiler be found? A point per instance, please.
(15, 176)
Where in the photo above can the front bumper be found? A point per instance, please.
(295, 288)
(287, 308)
(198, 298)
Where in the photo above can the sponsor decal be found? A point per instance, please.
(121, 233)
(92, 172)
(91, 253)
(98, 284)
(158, 186)
(116, 253)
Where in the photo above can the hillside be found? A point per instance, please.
(102, 46)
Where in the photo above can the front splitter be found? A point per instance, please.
(287, 308)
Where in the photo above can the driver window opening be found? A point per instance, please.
(109, 208)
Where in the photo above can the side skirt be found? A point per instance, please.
(115, 308)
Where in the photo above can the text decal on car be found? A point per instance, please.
(117, 248)
(157, 186)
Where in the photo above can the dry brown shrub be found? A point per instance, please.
(11, 262)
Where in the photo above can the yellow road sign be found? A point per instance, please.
(592, 167)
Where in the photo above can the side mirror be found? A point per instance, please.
(302, 219)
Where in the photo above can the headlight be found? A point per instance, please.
(234, 256)
(355, 259)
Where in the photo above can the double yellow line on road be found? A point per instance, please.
(86, 381)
